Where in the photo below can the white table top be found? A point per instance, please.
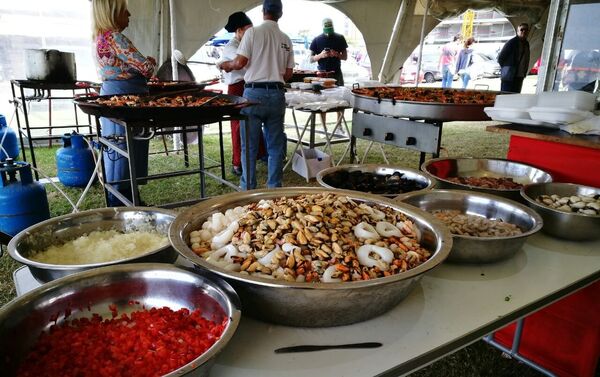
(453, 306)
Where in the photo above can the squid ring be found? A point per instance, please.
(364, 256)
(327, 275)
(386, 229)
(366, 230)
(224, 237)
(377, 214)
(268, 259)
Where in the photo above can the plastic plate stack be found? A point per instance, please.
(563, 107)
(547, 109)
(514, 108)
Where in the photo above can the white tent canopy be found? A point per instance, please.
(197, 20)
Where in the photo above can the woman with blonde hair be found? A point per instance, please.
(122, 69)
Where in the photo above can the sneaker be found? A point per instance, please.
(236, 170)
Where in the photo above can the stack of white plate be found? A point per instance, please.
(547, 109)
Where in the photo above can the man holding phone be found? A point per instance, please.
(328, 50)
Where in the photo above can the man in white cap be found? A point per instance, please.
(328, 49)
(267, 54)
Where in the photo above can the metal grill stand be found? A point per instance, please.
(42, 91)
(135, 127)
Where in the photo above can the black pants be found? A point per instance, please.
(514, 86)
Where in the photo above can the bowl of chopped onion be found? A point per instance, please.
(142, 319)
(99, 237)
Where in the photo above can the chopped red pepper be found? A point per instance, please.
(150, 342)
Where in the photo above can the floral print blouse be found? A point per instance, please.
(118, 59)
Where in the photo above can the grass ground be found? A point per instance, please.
(459, 140)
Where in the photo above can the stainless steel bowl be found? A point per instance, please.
(469, 249)
(383, 170)
(59, 230)
(570, 226)
(443, 168)
(314, 304)
(153, 285)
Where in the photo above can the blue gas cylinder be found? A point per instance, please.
(74, 161)
(8, 140)
(23, 202)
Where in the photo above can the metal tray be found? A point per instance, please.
(444, 112)
(164, 113)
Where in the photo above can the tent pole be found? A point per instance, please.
(177, 143)
(422, 39)
(387, 59)
(173, 40)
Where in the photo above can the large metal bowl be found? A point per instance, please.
(58, 230)
(570, 226)
(314, 304)
(153, 285)
(469, 249)
(382, 170)
(443, 168)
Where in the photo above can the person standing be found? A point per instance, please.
(237, 23)
(122, 69)
(464, 62)
(447, 61)
(328, 50)
(267, 54)
(514, 61)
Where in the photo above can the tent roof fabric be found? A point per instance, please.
(197, 21)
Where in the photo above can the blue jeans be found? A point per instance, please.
(268, 114)
(465, 80)
(447, 76)
(116, 166)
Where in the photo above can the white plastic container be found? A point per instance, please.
(498, 113)
(576, 100)
(558, 115)
(516, 101)
(518, 116)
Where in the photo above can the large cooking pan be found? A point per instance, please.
(435, 111)
(170, 86)
(201, 113)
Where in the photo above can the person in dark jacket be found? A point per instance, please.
(514, 61)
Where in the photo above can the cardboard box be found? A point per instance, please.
(316, 161)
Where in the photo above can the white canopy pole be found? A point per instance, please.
(177, 143)
(422, 39)
(388, 57)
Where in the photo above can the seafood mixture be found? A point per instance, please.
(382, 184)
(583, 204)
(477, 226)
(130, 100)
(437, 95)
(311, 238)
(502, 183)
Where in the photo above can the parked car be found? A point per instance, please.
(536, 67)
(484, 66)
(220, 39)
(430, 72)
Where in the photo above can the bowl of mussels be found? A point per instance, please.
(386, 180)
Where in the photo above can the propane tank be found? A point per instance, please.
(8, 140)
(23, 202)
(74, 161)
